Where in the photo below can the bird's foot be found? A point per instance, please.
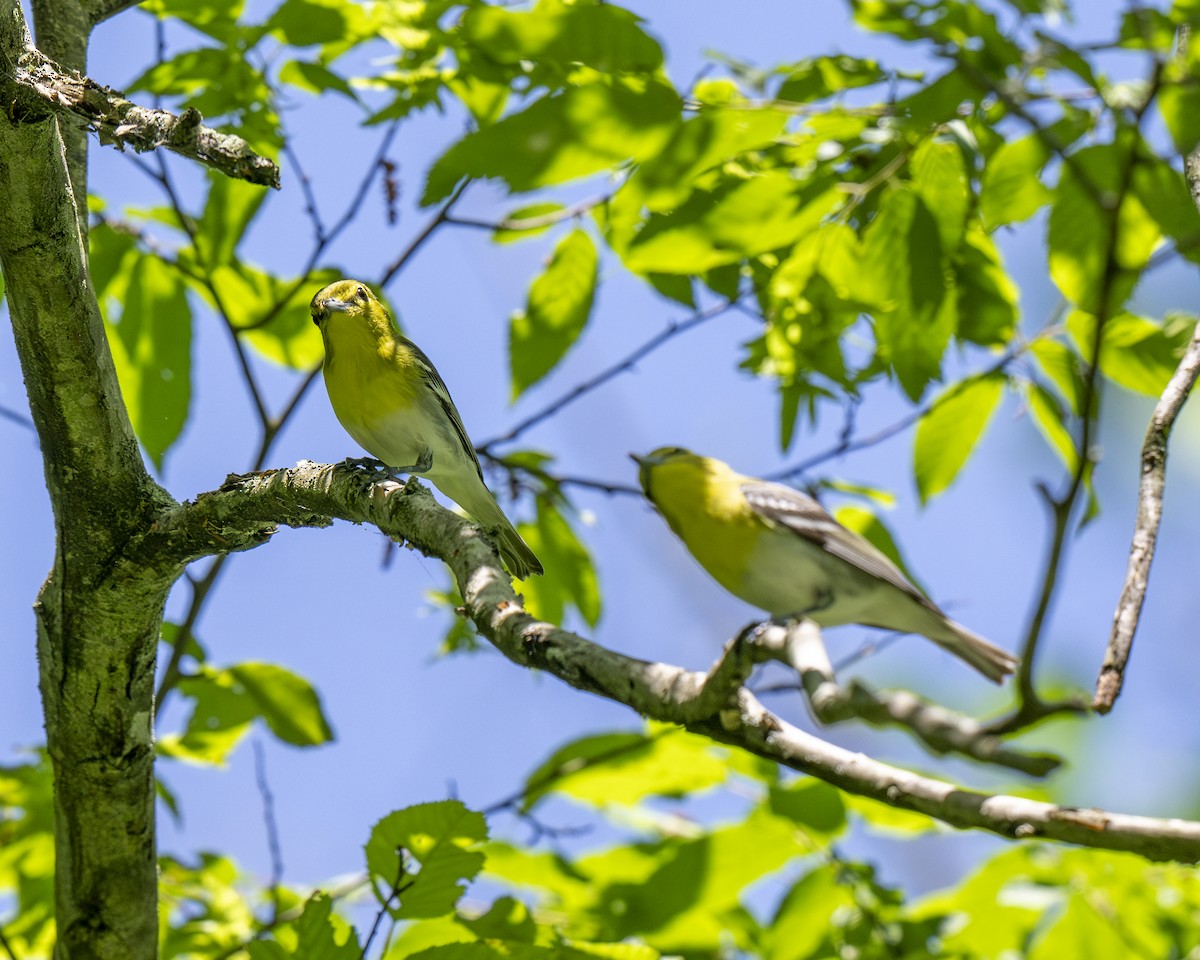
(423, 465)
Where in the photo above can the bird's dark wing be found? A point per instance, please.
(434, 379)
(805, 517)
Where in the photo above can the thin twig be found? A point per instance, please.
(272, 827)
(522, 224)
(425, 233)
(17, 418)
(398, 887)
(673, 329)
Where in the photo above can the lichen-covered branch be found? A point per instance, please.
(240, 514)
(33, 87)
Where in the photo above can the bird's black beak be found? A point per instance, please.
(640, 461)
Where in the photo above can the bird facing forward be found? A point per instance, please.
(392, 401)
(779, 550)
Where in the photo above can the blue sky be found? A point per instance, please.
(408, 728)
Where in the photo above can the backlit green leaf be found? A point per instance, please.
(988, 299)
(950, 432)
(231, 207)
(287, 702)
(570, 578)
(1012, 189)
(556, 311)
(315, 78)
(303, 23)
(939, 175)
(443, 838)
(580, 131)
(1138, 353)
(151, 343)
(602, 36)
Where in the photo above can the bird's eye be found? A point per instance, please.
(361, 293)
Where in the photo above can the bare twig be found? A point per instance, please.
(272, 827)
(398, 887)
(672, 330)
(35, 87)
(18, 418)
(522, 224)
(442, 216)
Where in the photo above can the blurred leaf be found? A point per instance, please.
(1179, 104)
(1012, 187)
(444, 839)
(562, 137)
(625, 768)
(217, 18)
(1164, 193)
(815, 806)
(227, 700)
(804, 915)
(1080, 235)
(151, 343)
(287, 702)
(948, 435)
(674, 286)
(556, 311)
(602, 36)
(570, 578)
(902, 259)
(988, 299)
(1064, 367)
(1138, 353)
(302, 23)
(315, 78)
(318, 936)
(821, 77)
(231, 207)
(939, 175)
(1048, 418)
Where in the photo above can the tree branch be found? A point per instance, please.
(242, 513)
(1145, 532)
(35, 88)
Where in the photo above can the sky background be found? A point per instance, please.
(410, 728)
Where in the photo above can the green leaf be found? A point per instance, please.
(151, 343)
(303, 23)
(444, 839)
(318, 935)
(562, 137)
(1064, 367)
(601, 36)
(230, 209)
(741, 218)
(217, 18)
(287, 702)
(1179, 105)
(950, 432)
(1012, 188)
(816, 806)
(713, 137)
(802, 920)
(1164, 193)
(570, 578)
(939, 175)
(1048, 418)
(624, 768)
(902, 258)
(1138, 353)
(821, 77)
(1079, 237)
(556, 311)
(249, 295)
(674, 286)
(988, 299)
(315, 78)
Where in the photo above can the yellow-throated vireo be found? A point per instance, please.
(778, 549)
(391, 399)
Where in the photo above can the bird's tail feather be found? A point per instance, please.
(993, 662)
(520, 560)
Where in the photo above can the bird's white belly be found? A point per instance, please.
(786, 575)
